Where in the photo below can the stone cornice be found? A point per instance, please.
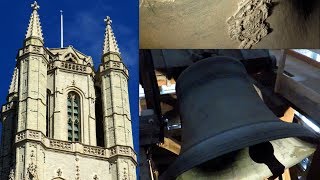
(74, 147)
(33, 49)
(111, 53)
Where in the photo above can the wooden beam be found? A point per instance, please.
(170, 145)
(305, 99)
(304, 58)
(148, 81)
(281, 65)
(288, 115)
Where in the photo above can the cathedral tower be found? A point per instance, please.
(63, 120)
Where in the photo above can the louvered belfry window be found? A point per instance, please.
(73, 117)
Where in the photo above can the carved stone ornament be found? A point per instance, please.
(248, 25)
(95, 177)
(32, 170)
(11, 175)
(59, 172)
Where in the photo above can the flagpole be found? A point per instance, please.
(61, 28)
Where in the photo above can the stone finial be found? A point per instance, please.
(108, 20)
(110, 43)
(35, 6)
(34, 27)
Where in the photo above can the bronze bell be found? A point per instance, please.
(221, 113)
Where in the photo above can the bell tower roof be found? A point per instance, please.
(34, 28)
(110, 43)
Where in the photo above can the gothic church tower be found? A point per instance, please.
(64, 120)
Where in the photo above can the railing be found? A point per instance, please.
(73, 67)
(75, 146)
(94, 151)
(68, 66)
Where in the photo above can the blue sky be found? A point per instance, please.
(83, 29)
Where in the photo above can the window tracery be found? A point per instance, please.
(73, 105)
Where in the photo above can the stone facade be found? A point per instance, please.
(63, 119)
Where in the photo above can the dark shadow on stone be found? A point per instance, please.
(273, 5)
(305, 7)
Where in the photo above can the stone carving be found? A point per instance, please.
(34, 145)
(21, 136)
(36, 49)
(11, 175)
(34, 59)
(94, 151)
(116, 64)
(26, 49)
(248, 25)
(95, 177)
(77, 172)
(123, 150)
(51, 66)
(73, 67)
(59, 172)
(33, 134)
(60, 145)
(43, 138)
(125, 174)
(32, 169)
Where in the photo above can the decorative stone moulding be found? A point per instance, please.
(51, 66)
(62, 145)
(123, 151)
(21, 136)
(94, 151)
(54, 144)
(248, 25)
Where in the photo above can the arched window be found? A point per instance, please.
(73, 117)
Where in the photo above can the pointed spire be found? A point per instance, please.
(14, 82)
(34, 28)
(110, 43)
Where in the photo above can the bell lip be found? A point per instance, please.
(226, 143)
